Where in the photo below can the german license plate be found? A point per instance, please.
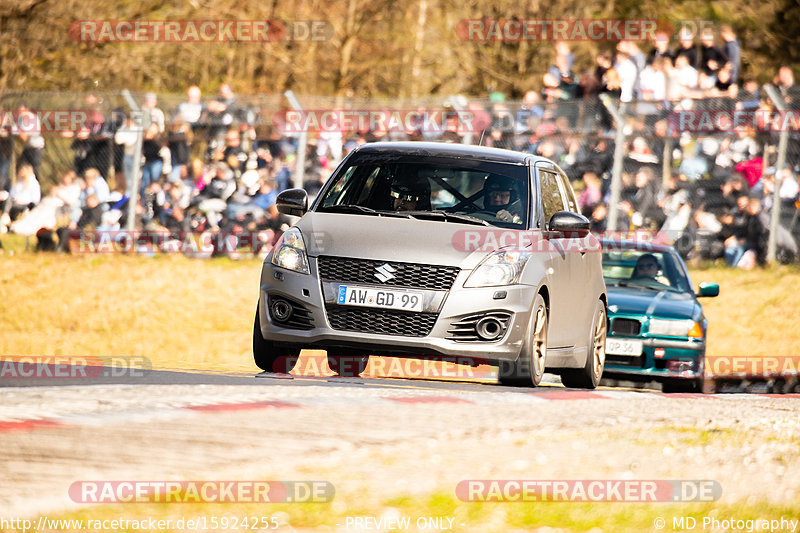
(623, 347)
(381, 298)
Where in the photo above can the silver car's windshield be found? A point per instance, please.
(650, 269)
(483, 193)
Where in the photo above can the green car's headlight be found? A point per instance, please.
(675, 328)
(498, 268)
(290, 252)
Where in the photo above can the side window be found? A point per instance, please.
(552, 202)
(569, 194)
(336, 193)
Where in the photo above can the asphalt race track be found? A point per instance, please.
(373, 436)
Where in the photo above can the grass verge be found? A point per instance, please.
(421, 513)
(198, 314)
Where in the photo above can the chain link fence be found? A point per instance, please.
(697, 155)
(722, 164)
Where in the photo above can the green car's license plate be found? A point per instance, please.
(623, 347)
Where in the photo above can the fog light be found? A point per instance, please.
(489, 328)
(659, 352)
(280, 310)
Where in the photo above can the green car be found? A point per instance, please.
(657, 330)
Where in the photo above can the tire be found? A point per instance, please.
(348, 365)
(268, 356)
(528, 369)
(682, 385)
(589, 376)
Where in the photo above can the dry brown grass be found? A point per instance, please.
(756, 313)
(179, 312)
(198, 314)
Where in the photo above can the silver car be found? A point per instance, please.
(445, 251)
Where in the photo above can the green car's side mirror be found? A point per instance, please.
(708, 290)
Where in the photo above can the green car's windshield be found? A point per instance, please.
(643, 268)
(478, 193)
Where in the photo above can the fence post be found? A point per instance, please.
(133, 200)
(5, 206)
(111, 171)
(666, 167)
(619, 153)
(302, 142)
(461, 109)
(772, 243)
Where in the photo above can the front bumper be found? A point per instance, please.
(452, 306)
(653, 363)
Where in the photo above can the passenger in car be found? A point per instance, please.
(411, 195)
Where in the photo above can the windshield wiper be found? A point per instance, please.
(466, 219)
(624, 283)
(349, 208)
(352, 208)
(448, 217)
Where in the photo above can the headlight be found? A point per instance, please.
(498, 268)
(290, 252)
(676, 328)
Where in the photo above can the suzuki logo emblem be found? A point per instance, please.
(385, 272)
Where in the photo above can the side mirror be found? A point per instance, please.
(569, 223)
(708, 290)
(292, 202)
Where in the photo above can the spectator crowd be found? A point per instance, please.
(215, 165)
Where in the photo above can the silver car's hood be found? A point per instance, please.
(390, 239)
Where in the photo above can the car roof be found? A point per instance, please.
(636, 245)
(460, 151)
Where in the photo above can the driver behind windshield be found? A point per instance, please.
(646, 267)
(411, 195)
(500, 197)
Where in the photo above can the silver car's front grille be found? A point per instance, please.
(381, 321)
(413, 275)
(388, 273)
